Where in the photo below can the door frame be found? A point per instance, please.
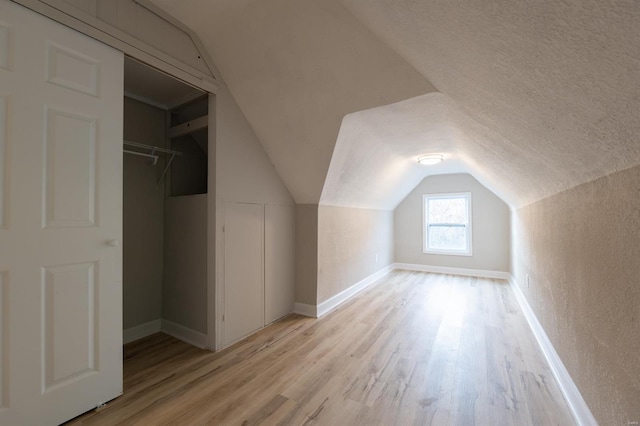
(66, 14)
(213, 264)
(93, 28)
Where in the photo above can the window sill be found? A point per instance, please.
(448, 253)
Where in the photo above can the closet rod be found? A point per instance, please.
(154, 150)
(142, 154)
(151, 147)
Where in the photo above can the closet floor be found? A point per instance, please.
(415, 348)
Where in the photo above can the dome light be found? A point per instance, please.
(430, 159)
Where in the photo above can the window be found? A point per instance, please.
(447, 223)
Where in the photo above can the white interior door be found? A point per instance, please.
(60, 208)
(279, 267)
(243, 271)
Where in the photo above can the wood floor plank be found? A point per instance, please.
(413, 349)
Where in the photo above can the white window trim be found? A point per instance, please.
(425, 224)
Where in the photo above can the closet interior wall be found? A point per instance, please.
(184, 306)
(143, 218)
(165, 226)
(175, 244)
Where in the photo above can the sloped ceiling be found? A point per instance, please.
(374, 162)
(554, 83)
(296, 68)
(535, 97)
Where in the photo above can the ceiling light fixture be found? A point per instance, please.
(430, 159)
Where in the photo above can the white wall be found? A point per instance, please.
(244, 174)
(580, 249)
(491, 226)
(184, 296)
(306, 254)
(143, 214)
(352, 244)
(279, 262)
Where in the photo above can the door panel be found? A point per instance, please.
(243, 271)
(70, 169)
(279, 242)
(72, 70)
(69, 344)
(61, 202)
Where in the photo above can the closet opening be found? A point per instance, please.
(165, 207)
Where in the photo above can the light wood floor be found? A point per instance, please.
(416, 348)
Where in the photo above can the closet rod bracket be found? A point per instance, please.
(166, 168)
(154, 151)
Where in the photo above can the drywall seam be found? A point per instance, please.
(139, 331)
(577, 405)
(185, 334)
(500, 275)
(333, 302)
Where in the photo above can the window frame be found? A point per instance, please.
(468, 226)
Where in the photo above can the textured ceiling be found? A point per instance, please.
(535, 97)
(554, 83)
(374, 164)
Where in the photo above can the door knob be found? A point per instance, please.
(114, 243)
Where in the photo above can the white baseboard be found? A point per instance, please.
(306, 310)
(185, 334)
(178, 331)
(500, 275)
(577, 405)
(140, 331)
(333, 302)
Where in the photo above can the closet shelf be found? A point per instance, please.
(153, 154)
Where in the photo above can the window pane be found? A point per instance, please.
(447, 237)
(448, 210)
